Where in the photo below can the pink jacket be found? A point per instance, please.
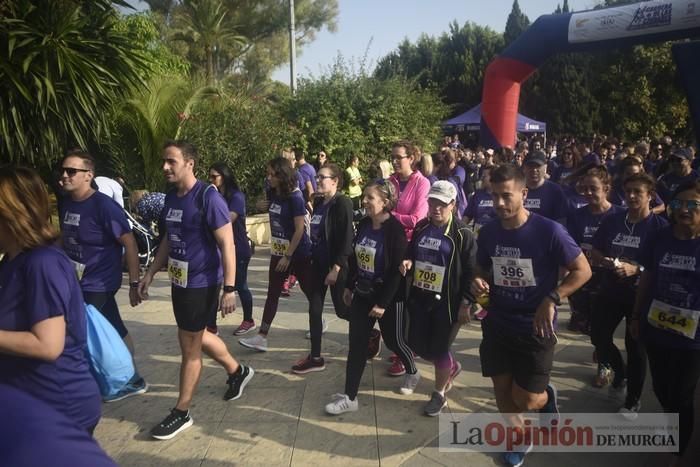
(413, 201)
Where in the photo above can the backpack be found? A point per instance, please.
(110, 361)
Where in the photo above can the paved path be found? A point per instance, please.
(280, 418)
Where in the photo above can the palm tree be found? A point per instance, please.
(206, 25)
(62, 66)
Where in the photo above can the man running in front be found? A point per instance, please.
(519, 257)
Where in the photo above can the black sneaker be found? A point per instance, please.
(177, 421)
(237, 382)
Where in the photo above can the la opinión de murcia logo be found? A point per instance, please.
(651, 16)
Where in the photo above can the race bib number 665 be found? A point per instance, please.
(513, 272)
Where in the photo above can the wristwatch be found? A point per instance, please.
(134, 284)
(229, 288)
(555, 297)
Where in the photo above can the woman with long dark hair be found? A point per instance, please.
(221, 176)
(331, 245)
(290, 244)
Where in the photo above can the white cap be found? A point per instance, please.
(444, 191)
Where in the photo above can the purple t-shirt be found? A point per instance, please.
(240, 237)
(617, 197)
(616, 237)
(308, 174)
(369, 252)
(91, 230)
(34, 286)
(431, 249)
(282, 213)
(460, 174)
(548, 200)
(669, 182)
(525, 266)
(561, 172)
(480, 208)
(190, 238)
(34, 433)
(583, 224)
(675, 267)
(318, 233)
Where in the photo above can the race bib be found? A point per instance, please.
(177, 272)
(279, 246)
(513, 272)
(428, 276)
(79, 269)
(674, 319)
(365, 257)
(316, 220)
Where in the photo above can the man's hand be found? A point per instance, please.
(227, 303)
(479, 287)
(544, 318)
(464, 315)
(625, 269)
(134, 298)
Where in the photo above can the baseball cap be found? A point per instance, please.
(536, 157)
(682, 153)
(444, 191)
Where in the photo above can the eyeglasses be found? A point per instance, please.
(323, 177)
(214, 176)
(71, 171)
(690, 204)
(398, 158)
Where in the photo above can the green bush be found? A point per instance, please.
(243, 132)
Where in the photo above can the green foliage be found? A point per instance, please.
(347, 112)
(243, 131)
(63, 64)
(515, 25)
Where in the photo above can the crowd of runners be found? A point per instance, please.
(502, 236)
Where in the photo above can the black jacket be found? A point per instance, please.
(394, 250)
(338, 228)
(460, 267)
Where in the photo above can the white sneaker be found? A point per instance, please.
(324, 328)
(409, 383)
(341, 404)
(630, 413)
(257, 342)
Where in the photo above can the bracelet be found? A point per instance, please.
(134, 284)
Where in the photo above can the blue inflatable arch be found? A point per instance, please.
(585, 31)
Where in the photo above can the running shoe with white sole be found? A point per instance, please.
(237, 382)
(257, 342)
(341, 404)
(172, 425)
(410, 381)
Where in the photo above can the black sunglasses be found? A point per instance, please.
(71, 171)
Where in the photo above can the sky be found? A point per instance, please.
(376, 27)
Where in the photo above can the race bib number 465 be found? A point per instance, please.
(365, 257)
(674, 319)
(513, 272)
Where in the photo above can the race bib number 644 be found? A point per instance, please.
(513, 272)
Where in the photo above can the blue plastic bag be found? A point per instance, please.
(110, 360)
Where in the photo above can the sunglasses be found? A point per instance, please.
(71, 171)
(690, 205)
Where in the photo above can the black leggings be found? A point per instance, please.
(317, 297)
(393, 326)
(610, 307)
(674, 375)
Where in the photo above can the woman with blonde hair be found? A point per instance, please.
(43, 329)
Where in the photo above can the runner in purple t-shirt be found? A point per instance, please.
(518, 263)
(221, 176)
(616, 250)
(668, 307)
(480, 207)
(43, 331)
(543, 197)
(199, 252)
(94, 230)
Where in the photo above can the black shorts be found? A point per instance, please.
(194, 307)
(527, 357)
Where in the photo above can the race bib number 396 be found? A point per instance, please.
(513, 272)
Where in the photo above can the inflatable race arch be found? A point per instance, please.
(588, 31)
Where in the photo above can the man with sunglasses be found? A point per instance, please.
(95, 231)
(679, 173)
